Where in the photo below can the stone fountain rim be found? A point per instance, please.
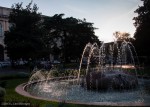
(20, 89)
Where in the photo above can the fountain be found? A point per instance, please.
(106, 76)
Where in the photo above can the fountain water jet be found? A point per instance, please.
(107, 75)
(102, 72)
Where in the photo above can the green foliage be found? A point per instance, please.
(2, 94)
(56, 72)
(72, 33)
(12, 76)
(32, 35)
(3, 84)
(71, 65)
(122, 36)
(23, 40)
(142, 24)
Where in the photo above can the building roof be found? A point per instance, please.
(4, 12)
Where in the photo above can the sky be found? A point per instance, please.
(107, 15)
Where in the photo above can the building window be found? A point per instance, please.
(1, 30)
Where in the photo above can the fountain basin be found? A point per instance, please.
(63, 90)
(109, 80)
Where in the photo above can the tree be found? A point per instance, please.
(73, 33)
(24, 39)
(122, 36)
(33, 35)
(142, 24)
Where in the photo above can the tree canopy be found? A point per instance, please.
(122, 36)
(23, 40)
(73, 34)
(142, 24)
(33, 35)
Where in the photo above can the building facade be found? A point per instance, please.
(4, 26)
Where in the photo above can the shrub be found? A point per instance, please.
(3, 84)
(2, 94)
(14, 76)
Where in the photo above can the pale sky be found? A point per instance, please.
(107, 15)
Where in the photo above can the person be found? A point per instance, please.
(31, 65)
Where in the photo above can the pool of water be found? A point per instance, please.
(68, 90)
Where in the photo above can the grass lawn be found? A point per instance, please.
(11, 97)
